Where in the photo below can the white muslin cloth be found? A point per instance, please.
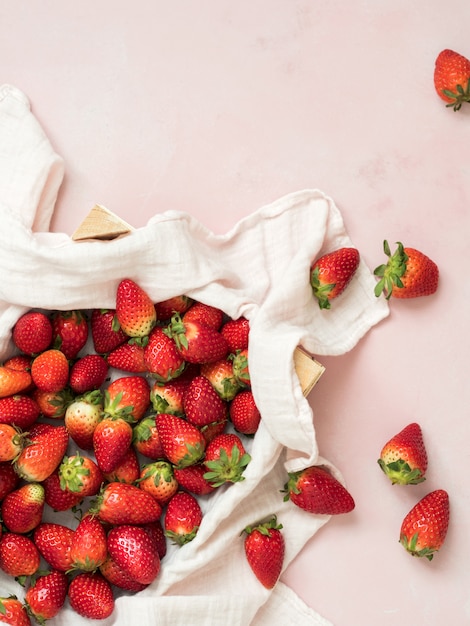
(259, 269)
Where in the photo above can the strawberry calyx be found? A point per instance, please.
(227, 468)
(180, 539)
(264, 527)
(72, 471)
(193, 455)
(410, 545)
(321, 290)
(459, 96)
(391, 273)
(176, 330)
(112, 409)
(400, 472)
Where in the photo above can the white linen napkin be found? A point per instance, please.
(259, 269)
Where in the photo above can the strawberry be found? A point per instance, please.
(13, 612)
(82, 416)
(192, 479)
(213, 430)
(19, 410)
(424, 528)
(32, 333)
(135, 311)
(52, 404)
(115, 575)
(204, 314)
(452, 78)
(155, 530)
(13, 381)
(177, 304)
(146, 439)
(127, 470)
(158, 479)
(88, 373)
(80, 475)
(182, 443)
(225, 459)
(120, 503)
(11, 442)
(43, 453)
(182, 518)
(91, 596)
(196, 342)
(56, 497)
(264, 549)
(112, 437)
(236, 333)
(46, 595)
(408, 273)
(241, 369)
(315, 490)
(221, 376)
(332, 273)
(69, 332)
(9, 479)
(135, 551)
(244, 414)
(127, 397)
(54, 542)
(403, 458)
(22, 509)
(128, 357)
(168, 397)
(89, 546)
(105, 331)
(19, 556)
(162, 358)
(202, 403)
(50, 370)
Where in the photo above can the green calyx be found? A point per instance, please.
(176, 330)
(114, 411)
(410, 545)
(263, 527)
(320, 290)
(227, 468)
(193, 455)
(401, 473)
(72, 472)
(180, 539)
(392, 272)
(459, 96)
(291, 486)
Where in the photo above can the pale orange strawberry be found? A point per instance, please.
(112, 438)
(13, 381)
(32, 333)
(158, 479)
(88, 549)
(43, 453)
(50, 370)
(135, 310)
(127, 397)
(69, 332)
(11, 442)
(23, 508)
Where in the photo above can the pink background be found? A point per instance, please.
(217, 108)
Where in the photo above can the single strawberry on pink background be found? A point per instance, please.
(331, 274)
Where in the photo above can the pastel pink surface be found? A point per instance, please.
(217, 108)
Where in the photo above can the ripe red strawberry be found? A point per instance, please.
(127, 397)
(111, 440)
(9, 479)
(155, 530)
(315, 490)
(22, 509)
(135, 551)
(225, 459)
(192, 479)
(162, 358)
(221, 376)
(52, 404)
(32, 333)
(168, 397)
(115, 575)
(13, 612)
(127, 470)
(19, 556)
(332, 273)
(424, 528)
(56, 497)
(88, 373)
(69, 332)
(91, 596)
(105, 331)
(403, 458)
(50, 370)
(89, 545)
(236, 333)
(202, 403)
(264, 550)
(158, 479)
(146, 439)
(13, 381)
(177, 304)
(241, 369)
(182, 443)
(244, 414)
(135, 310)
(11, 442)
(452, 78)
(21, 362)
(46, 595)
(204, 314)
(19, 410)
(408, 273)
(54, 542)
(82, 417)
(128, 357)
(182, 518)
(120, 503)
(80, 475)
(196, 342)
(211, 431)
(44, 451)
